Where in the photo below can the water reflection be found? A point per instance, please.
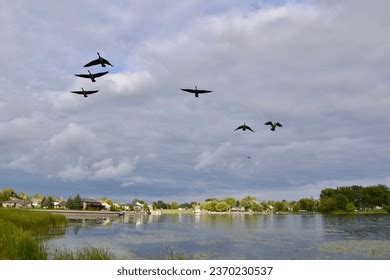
(228, 236)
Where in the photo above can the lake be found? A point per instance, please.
(235, 236)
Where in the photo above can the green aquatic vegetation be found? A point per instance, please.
(85, 253)
(37, 222)
(21, 233)
(19, 244)
(364, 248)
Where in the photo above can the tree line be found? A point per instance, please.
(349, 199)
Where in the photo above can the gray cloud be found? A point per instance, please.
(319, 67)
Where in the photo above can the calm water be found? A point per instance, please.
(233, 236)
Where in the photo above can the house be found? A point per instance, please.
(105, 205)
(138, 206)
(36, 203)
(197, 210)
(126, 206)
(17, 203)
(237, 209)
(91, 204)
(59, 204)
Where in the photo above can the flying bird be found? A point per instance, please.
(91, 76)
(273, 125)
(244, 127)
(100, 60)
(196, 91)
(84, 92)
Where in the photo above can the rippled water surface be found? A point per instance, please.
(232, 236)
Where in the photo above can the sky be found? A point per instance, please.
(318, 67)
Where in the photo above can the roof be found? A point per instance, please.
(88, 200)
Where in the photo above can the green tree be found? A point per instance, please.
(77, 203)
(341, 201)
(47, 202)
(308, 204)
(210, 205)
(231, 201)
(247, 201)
(221, 206)
(69, 203)
(280, 206)
(328, 204)
(174, 205)
(7, 193)
(256, 207)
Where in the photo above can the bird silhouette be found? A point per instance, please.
(84, 92)
(91, 76)
(273, 125)
(244, 127)
(100, 60)
(196, 91)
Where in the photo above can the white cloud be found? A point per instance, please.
(129, 83)
(106, 170)
(73, 137)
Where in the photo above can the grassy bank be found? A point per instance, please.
(368, 212)
(34, 222)
(21, 233)
(19, 244)
(86, 253)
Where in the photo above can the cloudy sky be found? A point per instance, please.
(321, 68)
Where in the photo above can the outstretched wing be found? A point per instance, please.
(268, 123)
(200, 91)
(99, 74)
(85, 92)
(82, 75)
(247, 127)
(188, 90)
(77, 92)
(240, 127)
(105, 61)
(93, 62)
(279, 124)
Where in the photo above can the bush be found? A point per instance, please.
(350, 207)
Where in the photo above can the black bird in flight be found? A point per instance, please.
(244, 127)
(100, 60)
(91, 76)
(196, 91)
(84, 92)
(273, 125)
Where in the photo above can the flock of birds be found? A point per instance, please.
(99, 61)
(243, 127)
(103, 62)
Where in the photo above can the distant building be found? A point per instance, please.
(91, 204)
(197, 210)
(105, 205)
(59, 204)
(36, 203)
(237, 209)
(126, 206)
(137, 206)
(17, 203)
